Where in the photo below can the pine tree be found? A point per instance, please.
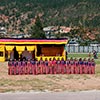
(37, 29)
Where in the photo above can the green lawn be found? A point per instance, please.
(83, 55)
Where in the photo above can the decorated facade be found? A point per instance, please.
(32, 48)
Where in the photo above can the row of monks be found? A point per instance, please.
(35, 67)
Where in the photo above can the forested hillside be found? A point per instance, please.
(19, 15)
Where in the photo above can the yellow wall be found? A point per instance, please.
(48, 57)
(52, 52)
(2, 58)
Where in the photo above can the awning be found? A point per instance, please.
(9, 48)
(33, 41)
(30, 48)
(20, 48)
(2, 48)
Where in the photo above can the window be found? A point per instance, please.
(50, 50)
(1, 54)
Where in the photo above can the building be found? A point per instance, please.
(3, 31)
(49, 32)
(21, 35)
(32, 48)
(64, 29)
(52, 31)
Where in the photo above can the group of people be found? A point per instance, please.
(35, 67)
(94, 54)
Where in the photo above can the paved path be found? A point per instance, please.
(84, 95)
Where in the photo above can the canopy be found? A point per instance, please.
(9, 48)
(30, 48)
(2, 48)
(20, 48)
(33, 41)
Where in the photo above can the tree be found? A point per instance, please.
(73, 33)
(98, 38)
(37, 29)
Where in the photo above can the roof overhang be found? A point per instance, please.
(33, 41)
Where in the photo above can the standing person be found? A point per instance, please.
(15, 67)
(89, 55)
(95, 54)
(85, 65)
(50, 66)
(66, 55)
(15, 63)
(24, 66)
(76, 66)
(58, 66)
(92, 66)
(41, 66)
(80, 66)
(54, 67)
(10, 67)
(72, 65)
(19, 66)
(68, 66)
(62, 66)
(46, 65)
(29, 65)
(33, 66)
(36, 66)
(89, 66)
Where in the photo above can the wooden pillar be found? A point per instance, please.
(63, 53)
(20, 49)
(19, 52)
(9, 52)
(9, 48)
(35, 51)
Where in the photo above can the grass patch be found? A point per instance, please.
(86, 77)
(77, 55)
(70, 77)
(83, 55)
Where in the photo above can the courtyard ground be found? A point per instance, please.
(44, 83)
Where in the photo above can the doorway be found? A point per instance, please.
(16, 55)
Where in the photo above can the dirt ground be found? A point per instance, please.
(45, 83)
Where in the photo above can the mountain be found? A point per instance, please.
(19, 15)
